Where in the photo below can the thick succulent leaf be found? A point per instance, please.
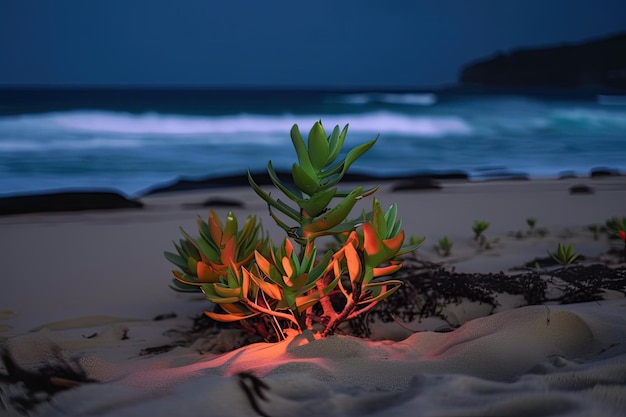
(176, 260)
(293, 195)
(377, 250)
(410, 248)
(228, 318)
(378, 219)
(306, 182)
(272, 290)
(339, 229)
(386, 270)
(189, 249)
(226, 292)
(287, 208)
(354, 154)
(215, 227)
(206, 273)
(262, 263)
(318, 202)
(186, 278)
(353, 260)
(273, 203)
(390, 218)
(182, 287)
(365, 193)
(334, 216)
(192, 265)
(301, 151)
(231, 228)
(381, 290)
(203, 228)
(202, 246)
(321, 267)
(318, 147)
(394, 243)
(335, 143)
(305, 301)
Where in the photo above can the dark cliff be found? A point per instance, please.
(597, 64)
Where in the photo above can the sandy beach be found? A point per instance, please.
(89, 285)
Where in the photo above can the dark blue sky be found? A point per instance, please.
(283, 43)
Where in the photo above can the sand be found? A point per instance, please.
(88, 286)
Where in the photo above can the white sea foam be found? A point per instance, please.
(382, 122)
(410, 99)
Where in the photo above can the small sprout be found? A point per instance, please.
(531, 222)
(444, 246)
(596, 229)
(564, 255)
(479, 228)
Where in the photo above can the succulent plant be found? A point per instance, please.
(444, 246)
(564, 255)
(271, 289)
(207, 258)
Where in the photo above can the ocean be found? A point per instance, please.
(130, 140)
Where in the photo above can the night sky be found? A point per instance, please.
(284, 43)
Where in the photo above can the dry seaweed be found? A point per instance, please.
(429, 287)
(39, 385)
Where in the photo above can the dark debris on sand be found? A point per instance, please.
(429, 287)
(24, 389)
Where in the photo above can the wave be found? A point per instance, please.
(96, 129)
(170, 124)
(409, 99)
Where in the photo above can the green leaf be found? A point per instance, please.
(265, 196)
(203, 246)
(377, 291)
(318, 202)
(301, 151)
(176, 260)
(227, 317)
(181, 287)
(291, 194)
(354, 154)
(306, 183)
(335, 143)
(203, 228)
(318, 147)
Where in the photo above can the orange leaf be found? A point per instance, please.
(354, 263)
(288, 270)
(386, 270)
(288, 247)
(272, 290)
(229, 252)
(395, 243)
(206, 273)
(264, 264)
(372, 243)
(227, 318)
(215, 227)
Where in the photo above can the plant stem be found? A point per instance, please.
(350, 306)
(327, 305)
